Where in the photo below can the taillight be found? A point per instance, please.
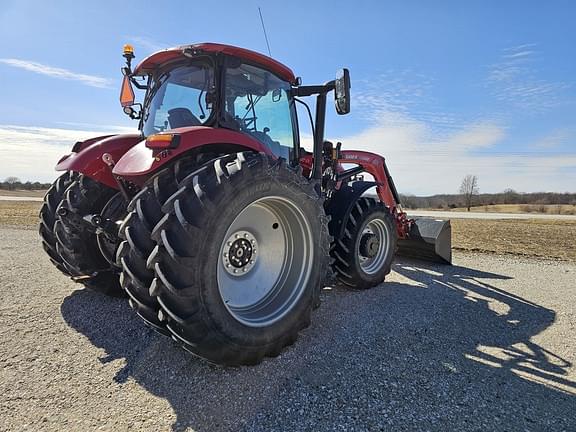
(163, 141)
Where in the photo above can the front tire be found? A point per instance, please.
(364, 255)
(260, 217)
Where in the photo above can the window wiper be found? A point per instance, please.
(157, 84)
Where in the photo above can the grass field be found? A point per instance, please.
(530, 237)
(23, 193)
(560, 209)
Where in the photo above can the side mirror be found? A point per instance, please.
(126, 93)
(132, 113)
(342, 91)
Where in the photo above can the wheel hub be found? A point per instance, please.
(369, 245)
(240, 253)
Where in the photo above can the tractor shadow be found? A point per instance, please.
(446, 349)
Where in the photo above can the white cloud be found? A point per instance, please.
(429, 150)
(475, 136)
(31, 153)
(519, 54)
(515, 80)
(423, 162)
(55, 72)
(147, 43)
(555, 139)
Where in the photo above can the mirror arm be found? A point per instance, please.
(137, 84)
(313, 90)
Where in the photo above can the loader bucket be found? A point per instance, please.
(429, 240)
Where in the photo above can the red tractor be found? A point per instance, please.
(213, 219)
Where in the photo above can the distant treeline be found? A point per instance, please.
(23, 186)
(506, 197)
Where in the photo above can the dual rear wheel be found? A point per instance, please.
(231, 264)
(83, 254)
(241, 253)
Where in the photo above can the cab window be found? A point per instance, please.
(257, 104)
(179, 98)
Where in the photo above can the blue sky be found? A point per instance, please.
(441, 89)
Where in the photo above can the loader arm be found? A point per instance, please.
(375, 165)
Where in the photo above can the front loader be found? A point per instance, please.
(216, 223)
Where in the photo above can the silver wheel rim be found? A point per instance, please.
(373, 256)
(265, 261)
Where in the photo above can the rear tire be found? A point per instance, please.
(364, 255)
(48, 217)
(78, 246)
(217, 315)
(144, 212)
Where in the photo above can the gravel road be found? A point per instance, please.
(487, 344)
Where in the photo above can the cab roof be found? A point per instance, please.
(150, 63)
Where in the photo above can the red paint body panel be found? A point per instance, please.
(89, 161)
(150, 63)
(374, 165)
(81, 145)
(140, 162)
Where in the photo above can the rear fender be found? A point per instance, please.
(141, 162)
(87, 159)
(81, 145)
(341, 204)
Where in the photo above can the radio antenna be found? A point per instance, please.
(264, 29)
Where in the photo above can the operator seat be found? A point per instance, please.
(180, 117)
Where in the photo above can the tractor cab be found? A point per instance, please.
(216, 86)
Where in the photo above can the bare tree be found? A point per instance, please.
(469, 188)
(11, 182)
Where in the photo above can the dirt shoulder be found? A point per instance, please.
(528, 209)
(22, 214)
(531, 237)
